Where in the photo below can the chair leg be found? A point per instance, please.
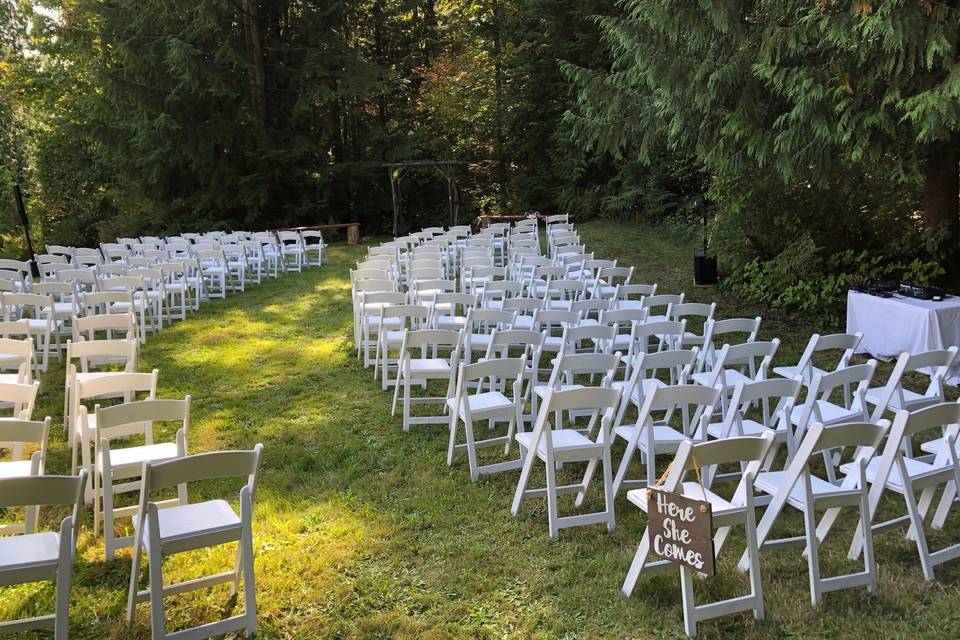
(917, 524)
(551, 498)
(524, 479)
(61, 620)
(609, 496)
(813, 553)
(134, 574)
(689, 607)
(156, 595)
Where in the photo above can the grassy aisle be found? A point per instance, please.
(361, 531)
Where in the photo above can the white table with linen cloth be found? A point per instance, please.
(893, 325)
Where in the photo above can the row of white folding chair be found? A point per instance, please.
(39, 556)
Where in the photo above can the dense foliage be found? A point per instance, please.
(822, 135)
(827, 129)
(172, 115)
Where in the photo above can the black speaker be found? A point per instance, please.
(704, 268)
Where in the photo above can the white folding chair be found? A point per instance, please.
(897, 472)
(425, 355)
(85, 359)
(798, 487)
(652, 437)
(160, 533)
(739, 510)
(116, 469)
(38, 556)
(17, 436)
(776, 399)
(16, 355)
(291, 250)
(313, 243)
(894, 397)
(124, 385)
(562, 445)
(747, 362)
(846, 343)
(746, 328)
(818, 406)
(500, 399)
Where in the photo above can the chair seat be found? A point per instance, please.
(665, 437)
(916, 470)
(936, 445)
(541, 390)
(29, 551)
(192, 520)
(831, 413)
(794, 371)
(426, 366)
(769, 482)
(64, 308)
(648, 386)
(479, 341)
(911, 398)
(732, 376)
(37, 324)
(563, 440)
(8, 378)
(128, 456)
(523, 322)
(692, 490)
(14, 469)
(750, 428)
(483, 403)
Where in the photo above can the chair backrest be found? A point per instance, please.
(102, 301)
(18, 355)
(937, 363)
(570, 365)
(601, 337)
(125, 383)
(782, 394)
(424, 339)
(743, 358)
(683, 398)
(199, 467)
(666, 332)
(523, 306)
(22, 397)
(15, 433)
(628, 291)
(31, 305)
(845, 342)
(551, 320)
(502, 340)
(374, 284)
(486, 320)
(137, 418)
(601, 402)
(91, 352)
(44, 491)
(591, 307)
(751, 450)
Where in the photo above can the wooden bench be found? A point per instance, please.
(353, 230)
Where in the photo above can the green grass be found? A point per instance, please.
(361, 530)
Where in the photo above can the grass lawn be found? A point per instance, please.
(362, 531)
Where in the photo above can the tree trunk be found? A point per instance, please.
(258, 89)
(941, 192)
(498, 89)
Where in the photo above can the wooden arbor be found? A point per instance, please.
(447, 168)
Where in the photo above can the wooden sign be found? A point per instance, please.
(681, 530)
